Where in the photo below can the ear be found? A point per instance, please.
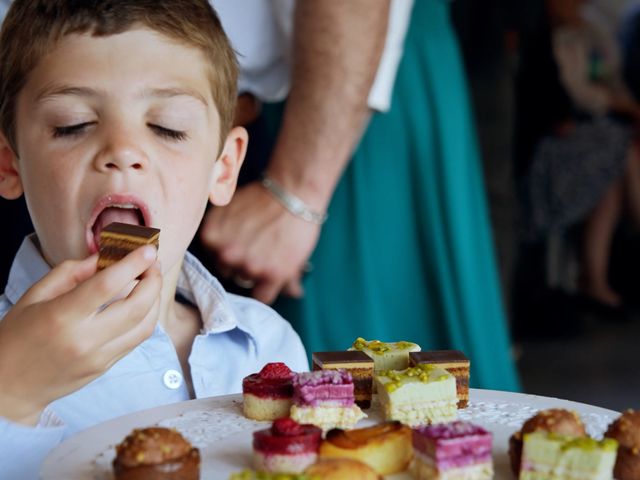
(10, 183)
(227, 167)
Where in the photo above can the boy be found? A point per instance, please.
(117, 111)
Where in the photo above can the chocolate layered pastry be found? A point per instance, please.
(156, 453)
(385, 447)
(286, 447)
(267, 395)
(117, 240)
(554, 420)
(452, 450)
(325, 399)
(357, 363)
(626, 431)
(453, 361)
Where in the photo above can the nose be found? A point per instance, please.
(121, 152)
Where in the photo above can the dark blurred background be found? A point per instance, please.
(565, 345)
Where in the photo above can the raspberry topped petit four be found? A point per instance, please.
(286, 447)
(456, 450)
(267, 395)
(325, 398)
(420, 395)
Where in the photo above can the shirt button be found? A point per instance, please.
(172, 379)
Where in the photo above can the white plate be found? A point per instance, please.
(216, 426)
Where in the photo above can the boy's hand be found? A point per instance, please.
(57, 338)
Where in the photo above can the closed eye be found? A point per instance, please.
(71, 130)
(167, 132)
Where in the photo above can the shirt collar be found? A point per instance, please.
(195, 284)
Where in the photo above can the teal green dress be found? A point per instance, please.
(407, 252)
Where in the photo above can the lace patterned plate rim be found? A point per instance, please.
(88, 454)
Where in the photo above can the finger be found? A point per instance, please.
(62, 279)
(293, 288)
(267, 291)
(124, 315)
(118, 347)
(89, 296)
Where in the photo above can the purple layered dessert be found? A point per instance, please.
(325, 398)
(452, 450)
(323, 387)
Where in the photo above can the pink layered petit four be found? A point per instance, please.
(452, 450)
(268, 395)
(325, 398)
(286, 447)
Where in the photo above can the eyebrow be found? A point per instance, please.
(58, 90)
(170, 92)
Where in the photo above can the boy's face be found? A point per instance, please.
(121, 128)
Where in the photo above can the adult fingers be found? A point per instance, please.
(98, 290)
(61, 279)
(267, 291)
(293, 288)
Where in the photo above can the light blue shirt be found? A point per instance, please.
(238, 337)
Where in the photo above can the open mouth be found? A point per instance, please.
(112, 208)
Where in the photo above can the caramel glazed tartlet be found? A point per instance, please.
(556, 420)
(626, 430)
(156, 453)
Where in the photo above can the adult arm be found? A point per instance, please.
(336, 51)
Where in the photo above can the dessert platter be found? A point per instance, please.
(423, 423)
(218, 427)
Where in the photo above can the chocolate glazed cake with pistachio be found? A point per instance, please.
(358, 364)
(117, 240)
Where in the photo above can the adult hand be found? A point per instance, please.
(57, 337)
(254, 237)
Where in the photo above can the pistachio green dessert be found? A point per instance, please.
(549, 456)
(420, 395)
(386, 355)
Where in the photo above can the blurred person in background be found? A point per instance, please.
(406, 251)
(581, 138)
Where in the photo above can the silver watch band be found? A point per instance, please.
(293, 204)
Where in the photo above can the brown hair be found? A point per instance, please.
(32, 28)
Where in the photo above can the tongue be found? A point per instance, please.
(114, 214)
